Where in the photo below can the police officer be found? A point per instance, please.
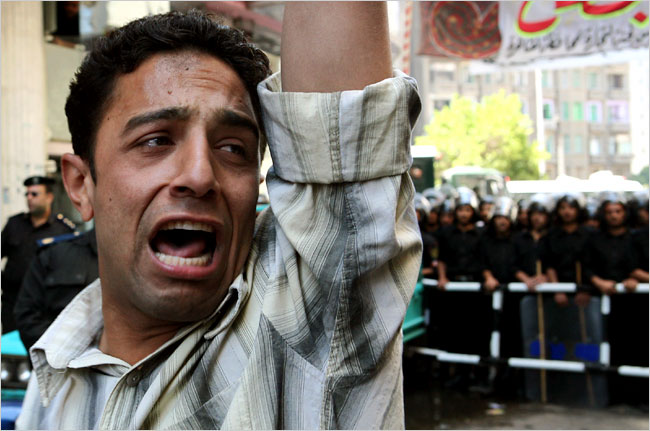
(59, 271)
(497, 247)
(429, 244)
(529, 244)
(485, 210)
(566, 245)
(640, 235)
(459, 253)
(610, 259)
(19, 240)
(459, 260)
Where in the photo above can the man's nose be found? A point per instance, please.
(196, 174)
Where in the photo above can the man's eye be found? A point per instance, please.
(156, 141)
(233, 148)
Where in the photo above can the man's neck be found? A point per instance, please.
(465, 227)
(536, 234)
(616, 231)
(570, 227)
(39, 220)
(130, 338)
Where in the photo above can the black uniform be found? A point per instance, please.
(640, 240)
(528, 252)
(56, 275)
(614, 258)
(498, 255)
(459, 333)
(460, 252)
(19, 244)
(563, 250)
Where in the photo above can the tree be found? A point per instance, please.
(490, 134)
(643, 176)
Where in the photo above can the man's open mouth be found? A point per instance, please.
(184, 243)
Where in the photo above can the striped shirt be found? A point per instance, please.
(309, 335)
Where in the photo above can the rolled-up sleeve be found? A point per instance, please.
(346, 236)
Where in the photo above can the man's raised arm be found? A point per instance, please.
(334, 46)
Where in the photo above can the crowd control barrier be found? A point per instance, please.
(603, 365)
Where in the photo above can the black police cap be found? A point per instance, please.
(36, 180)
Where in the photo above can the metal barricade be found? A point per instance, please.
(531, 363)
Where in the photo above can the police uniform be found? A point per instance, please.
(19, 245)
(59, 271)
(614, 257)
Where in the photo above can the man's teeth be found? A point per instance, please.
(183, 261)
(187, 225)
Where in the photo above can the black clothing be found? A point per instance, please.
(429, 249)
(54, 278)
(609, 257)
(614, 258)
(640, 240)
(459, 333)
(460, 253)
(19, 244)
(563, 250)
(498, 256)
(528, 252)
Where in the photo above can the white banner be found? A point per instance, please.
(537, 30)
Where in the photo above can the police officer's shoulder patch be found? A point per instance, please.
(66, 221)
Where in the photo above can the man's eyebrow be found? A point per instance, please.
(229, 117)
(176, 113)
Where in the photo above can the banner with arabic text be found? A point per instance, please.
(532, 30)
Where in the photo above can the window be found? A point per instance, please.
(577, 144)
(548, 110)
(567, 144)
(577, 111)
(615, 113)
(546, 79)
(488, 78)
(577, 77)
(550, 145)
(565, 111)
(623, 144)
(593, 113)
(593, 81)
(612, 145)
(594, 147)
(524, 107)
(564, 79)
(616, 81)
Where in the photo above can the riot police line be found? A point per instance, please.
(547, 256)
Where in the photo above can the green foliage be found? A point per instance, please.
(490, 134)
(643, 176)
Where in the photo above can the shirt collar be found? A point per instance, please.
(56, 350)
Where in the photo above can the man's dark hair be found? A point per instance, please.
(582, 213)
(125, 48)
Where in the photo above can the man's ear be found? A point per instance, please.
(79, 184)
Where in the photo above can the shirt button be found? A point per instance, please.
(134, 378)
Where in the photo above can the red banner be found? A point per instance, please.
(460, 29)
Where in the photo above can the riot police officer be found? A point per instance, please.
(58, 272)
(19, 240)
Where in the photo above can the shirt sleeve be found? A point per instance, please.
(347, 239)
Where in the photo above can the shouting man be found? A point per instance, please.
(204, 317)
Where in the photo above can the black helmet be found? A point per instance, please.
(574, 198)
